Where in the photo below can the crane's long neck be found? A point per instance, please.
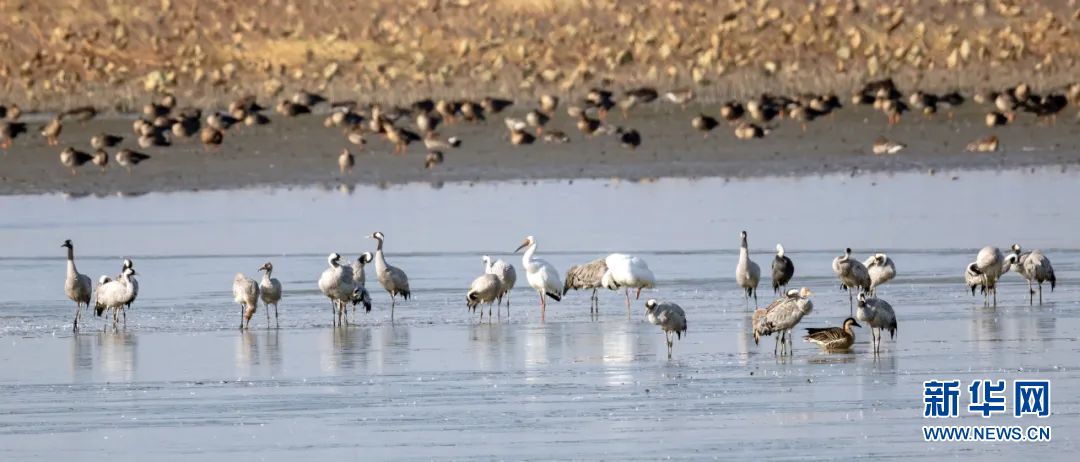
(266, 276)
(528, 256)
(380, 259)
(71, 260)
(744, 253)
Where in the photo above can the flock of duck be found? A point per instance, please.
(163, 122)
(345, 286)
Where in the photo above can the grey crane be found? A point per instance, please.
(360, 292)
(782, 270)
(670, 317)
(507, 278)
(1035, 268)
(113, 295)
(270, 291)
(336, 283)
(881, 270)
(747, 273)
(878, 315)
(392, 278)
(991, 263)
(77, 286)
(587, 276)
(853, 276)
(782, 315)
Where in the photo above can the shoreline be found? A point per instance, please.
(301, 152)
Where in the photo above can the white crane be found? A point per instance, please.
(782, 315)
(881, 270)
(245, 292)
(627, 272)
(484, 289)
(747, 273)
(77, 286)
(542, 276)
(507, 278)
(878, 315)
(392, 278)
(336, 283)
(853, 276)
(270, 291)
(670, 317)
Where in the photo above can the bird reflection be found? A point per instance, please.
(258, 353)
(347, 349)
(117, 350)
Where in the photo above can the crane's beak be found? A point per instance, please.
(522, 246)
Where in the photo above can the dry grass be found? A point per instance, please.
(61, 52)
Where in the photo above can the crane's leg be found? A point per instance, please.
(627, 292)
(755, 296)
(508, 304)
(276, 322)
(267, 306)
(241, 316)
(638, 296)
(851, 302)
(543, 305)
(75, 323)
(393, 302)
(667, 335)
(776, 344)
(489, 312)
(1040, 294)
(124, 312)
(1031, 294)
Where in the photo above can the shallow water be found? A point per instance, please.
(181, 380)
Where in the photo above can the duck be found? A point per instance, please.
(704, 124)
(128, 158)
(100, 158)
(211, 137)
(9, 131)
(51, 131)
(629, 138)
(995, 118)
(986, 144)
(72, 158)
(432, 159)
(681, 97)
(833, 338)
(749, 131)
(105, 140)
(884, 146)
(346, 161)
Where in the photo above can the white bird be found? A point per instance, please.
(782, 315)
(507, 278)
(782, 270)
(484, 289)
(134, 286)
(515, 125)
(853, 276)
(881, 270)
(991, 263)
(747, 273)
(627, 272)
(336, 282)
(587, 276)
(360, 292)
(77, 286)
(270, 291)
(541, 275)
(670, 317)
(113, 295)
(245, 292)
(393, 279)
(878, 315)
(1035, 268)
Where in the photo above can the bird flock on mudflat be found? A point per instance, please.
(163, 122)
(345, 286)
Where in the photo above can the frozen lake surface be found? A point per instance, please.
(180, 381)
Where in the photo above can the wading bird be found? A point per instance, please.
(782, 270)
(1035, 268)
(587, 276)
(670, 317)
(270, 291)
(747, 273)
(336, 283)
(484, 289)
(853, 276)
(782, 315)
(542, 276)
(391, 278)
(77, 286)
(881, 270)
(507, 278)
(627, 272)
(245, 292)
(878, 315)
